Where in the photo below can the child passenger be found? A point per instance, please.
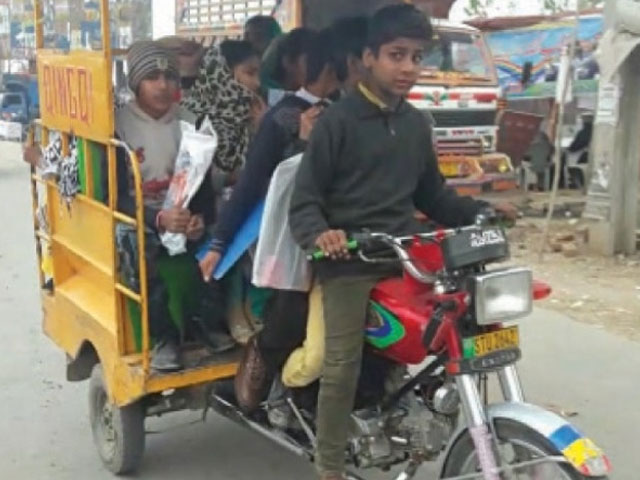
(369, 164)
(149, 124)
(278, 138)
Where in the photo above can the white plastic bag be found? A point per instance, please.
(193, 162)
(279, 262)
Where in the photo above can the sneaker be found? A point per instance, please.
(278, 409)
(216, 341)
(281, 416)
(219, 342)
(165, 356)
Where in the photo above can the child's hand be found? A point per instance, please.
(308, 119)
(195, 228)
(174, 220)
(333, 243)
(32, 155)
(208, 264)
(508, 210)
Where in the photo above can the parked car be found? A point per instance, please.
(26, 85)
(14, 107)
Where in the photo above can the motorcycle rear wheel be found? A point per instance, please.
(518, 443)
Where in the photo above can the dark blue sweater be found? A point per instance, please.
(276, 140)
(370, 169)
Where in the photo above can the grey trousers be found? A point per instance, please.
(345, 302)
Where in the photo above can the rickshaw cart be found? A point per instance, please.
(86, 306)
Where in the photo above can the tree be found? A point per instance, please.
(557, 6)
(478, 8)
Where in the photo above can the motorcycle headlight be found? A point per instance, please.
(502, 295)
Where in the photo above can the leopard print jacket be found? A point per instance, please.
(227, 104)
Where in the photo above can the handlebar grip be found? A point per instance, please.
(488, 216)
(320, 255)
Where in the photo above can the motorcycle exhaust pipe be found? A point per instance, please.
(230, 411)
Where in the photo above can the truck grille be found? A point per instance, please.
(463, 118)
(471, 147)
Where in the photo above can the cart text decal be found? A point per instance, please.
(67, 92)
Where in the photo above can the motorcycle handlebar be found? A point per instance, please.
(396, 243)
(352, 245)
(359, 240)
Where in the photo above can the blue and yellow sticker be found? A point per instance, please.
(574, 446)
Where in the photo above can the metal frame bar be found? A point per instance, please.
(35, 180)
(139, 224)
(128, 292)
(88, 169)
(39, 26)
(510, 384)
(40, 236)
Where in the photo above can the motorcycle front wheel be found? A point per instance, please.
(518, 443)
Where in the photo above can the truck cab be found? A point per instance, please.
(13, 107)
(459, 88)
(26, 86)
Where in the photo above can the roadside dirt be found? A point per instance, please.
(588, 288)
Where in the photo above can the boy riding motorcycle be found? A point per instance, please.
(369, 164)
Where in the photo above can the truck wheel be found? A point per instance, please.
(118, 433)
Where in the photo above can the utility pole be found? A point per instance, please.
(624, 208)
(613, 190)
(565, 82)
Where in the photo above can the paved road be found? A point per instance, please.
(44, 428)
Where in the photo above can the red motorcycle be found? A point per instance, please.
(455, 318)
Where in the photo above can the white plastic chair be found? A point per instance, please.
(572, 165)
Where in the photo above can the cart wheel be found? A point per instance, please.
(117, 432)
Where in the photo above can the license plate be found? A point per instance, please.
(487, 343)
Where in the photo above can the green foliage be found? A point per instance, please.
(478, 8)
(557, 6)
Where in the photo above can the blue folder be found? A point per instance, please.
(246, 236)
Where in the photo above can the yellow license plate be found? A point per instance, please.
(491, 342)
